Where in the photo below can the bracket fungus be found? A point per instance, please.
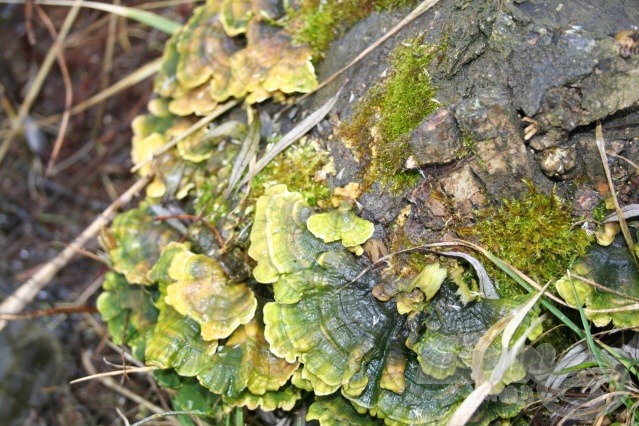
(134, 242)
(452, 329)
(203, 292)
(612, 267)
(313, 316)
(229, 50)
(341, 224)
(345, 337)
(176, 343)
(128, 311)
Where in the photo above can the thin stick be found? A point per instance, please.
(68, 89)
(602, 287)
(112, 384)
(140, 74)
(601, 146)
(48, 312)
(27, 291)
(114, 373)
(16, 124)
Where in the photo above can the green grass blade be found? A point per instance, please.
(551, 308)
(239, 416)
(144, 17)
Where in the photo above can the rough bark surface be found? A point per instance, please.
(555, 66)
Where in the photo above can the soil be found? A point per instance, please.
(40, 214)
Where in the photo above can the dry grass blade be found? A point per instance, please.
(507, 326)
(626, 308)
(151, 19)
(68, 90)
(485, 284)
(133, 78)
(621, 157)
(112, 384)
(27, 291)
(247, 152)
(114, 373)
(628, 212)
(297, 132)
(221, 109)
(34, 90)
(601, 147)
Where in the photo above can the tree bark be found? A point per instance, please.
(526, 81)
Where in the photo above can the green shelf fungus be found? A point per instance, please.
(148, 136)
(191, 396)
(134, 242)
(341, 224)
(128, 311)
(271, 64)
(203, 48)
(335, 410)
(280, 242)
(430, 279)
(241, 368)
(345, 337)
(159, 274)
(284, 399)
(612, 267)
(245, 362)
(202, 291)
(176, 343)
(452, 329)
(235, 16)
(225, 51)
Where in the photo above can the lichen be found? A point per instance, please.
(383, 120)
(535, 233)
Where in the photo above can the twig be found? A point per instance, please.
(114, 373)
(602, 287)
(601, 146)
(68, 90)
(27, 291)
(112, 384)
(48, 312)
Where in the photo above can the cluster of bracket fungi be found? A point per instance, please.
(261, 301)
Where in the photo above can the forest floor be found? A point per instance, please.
(40, 212)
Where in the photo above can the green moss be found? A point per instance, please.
(298, 168)
(600, 212)
(383, 120)
(317, 23)
(468, 145)
(533, 233)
